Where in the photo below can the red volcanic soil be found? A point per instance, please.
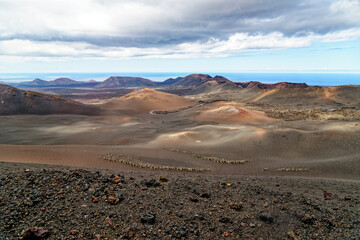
(145, 100)
(231, 113)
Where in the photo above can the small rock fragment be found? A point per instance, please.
(306, 218)
(150, 183)
(95, 199)
(199, 216)
(205, 195)
(116, 179)
(28, 202)
(292, 235)
(236, 206)
(114, 200)
(183, 232)
(109, 222)
(329, 195)
(148, 218)
(163, 179)
(224, 220)
(34, 233)
(266, 217)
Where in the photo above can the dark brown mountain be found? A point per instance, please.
(279, 85)
(64, 81)
(15, 101)
(170, 81)
(112, 82)
(195, 80)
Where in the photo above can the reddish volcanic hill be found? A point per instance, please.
(15, 101)
(145, 100)
(231, 112)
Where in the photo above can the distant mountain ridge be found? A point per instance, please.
(59, 82)
(114, 81)
(195, 83)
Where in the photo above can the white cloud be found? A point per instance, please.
(347, 10)
(62, 29)
(235, 44)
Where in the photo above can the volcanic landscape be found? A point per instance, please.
(196, 157)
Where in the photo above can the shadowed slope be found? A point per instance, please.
(15, 101)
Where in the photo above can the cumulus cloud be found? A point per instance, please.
(169, 28)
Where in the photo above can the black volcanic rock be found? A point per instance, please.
(126, 82)
(159, 214)
(15, 101)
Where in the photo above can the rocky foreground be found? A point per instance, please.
(50, 203)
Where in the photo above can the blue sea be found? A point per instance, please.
(318, 79)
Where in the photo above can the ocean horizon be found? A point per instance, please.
(312, 79)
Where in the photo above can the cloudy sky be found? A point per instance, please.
(173, 35)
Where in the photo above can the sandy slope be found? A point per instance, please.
(145, 100)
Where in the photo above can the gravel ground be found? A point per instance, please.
(60, 203)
